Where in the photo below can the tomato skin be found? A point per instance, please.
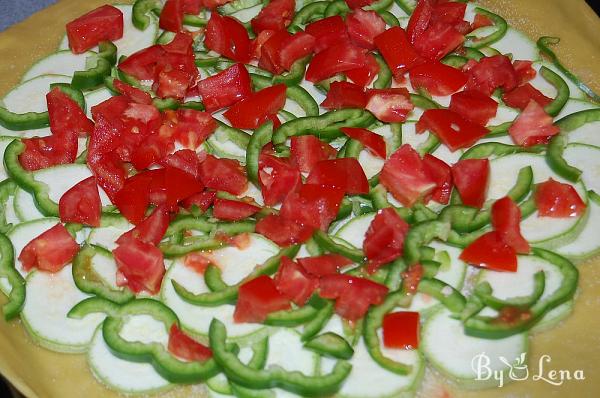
(295, 283)
(437, 41)
(325, 264)
(184, 159)
(558, 200)
(357, 4)
(282, 231)
(192, 7)
(353, 295)
(411, 278)
(452, 129)
(171, 16)
(404, 177)
(372, 141)
(471, 178)
(183, 346)
(384, 240)
(225, 88)
(233, 210)
(390, 105)
(345, 95)
(202, 200)
(313, 206)
(420, 18)
(328, 32)
(274, 16)
(506, 217)
(151, 230)
(257, 298)
(401, 330)
(173, 84)
(142, 64)
(397, 50)
(474, 106)
(50, 251)
(110, 174)
(270, 51)
(141, 264)
(43, 152)
(132, 199)
(363, 26)
(223, 175)
(66, 116)
(489, 251)
(308, 150)
(103, 23)
(533, 126)
(441, 174)
(524, 70)
(193, 127)
(277, 178)
(344, 173)
(281, 50)
(250, 112)
(81, 204)
(364, 75)
(480, 21)
(437, 78)
(228, 37)
(450, 13)
(520, 97)
(179, 185)
(491, 73)
(333, 60)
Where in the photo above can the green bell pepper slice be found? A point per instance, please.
(562, 90)
(100, 67)
(499, 22)
(330, 345)
(16, 297)
(420, 235)
(295, 75)
(319, 320)
(484, 291)
(140, 10)
(261, 137)
(444, 293)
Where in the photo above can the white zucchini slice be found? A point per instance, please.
(503, 115)
(62, 62)
(106, 236)
(354, 231)
(587, 243)
(517, 44)
(30, 96)
(9, 211)
(93, 98)
(575, 105)
(453, 353)
(587, 159)
(24, 205)
(49, 298)
(547, 89)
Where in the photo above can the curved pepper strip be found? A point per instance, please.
(384, 77)
(295, 75)
(87, 279)
(451, 298)
(455, 61)
(389, 18)
(556, 147)
(473, 53)
(331, 246)
(95, 75)
(420, 235)
(337, 7)
(295, 93)
(373, 322)
(420, 101)
(499, 23)
(140, 10)
(7, 189)
(484, 291)
(307, 14)
(319, 320)
(237, 136)
(562, 91)
(189, 244)
(543, 45)
(16, 298)
(429, 145)
(237, 5)
(407, 6)
(487, 150)
(201, 224)
(291, 318)
(167, 365)
(394, 277)
(380, 5)
(294, 381)
(494, 328)
(331, 345)
(261, 137)
(229, 294)
(499, 130)
(379, 198)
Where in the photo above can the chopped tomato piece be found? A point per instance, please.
(325, 264)
(151, 150)
(233, 210)
(151, 230)
(471, 178)
(491, 73)
(524, 70)
(363, 27)
(558, 200)
(520, 97)
(397, 50)
(140, 265)
(336, 59)
(142, 64)
(276, 15)
(259, 41)
(480, 21)
(506, 217)
(390, 105)
(257, 298)
(420, 18)
(173, 84)
(356, 4)
(344, 173)
(313, 205)
(403, 175)
(183, 346)
(401, 329)
(277, 178)
(295, 283)
(491, 252)
(171, 16)
(411, 278)
(282, 231)
(103, 23)
(451, 128)
(228, 37)
(110, 174)
(250, 112)
(50, 251)
(437, 78)
(213, 4)
(330, 31)
(308, 150)
(533, 126)
(202, 200)
(225, 88)
(197, 261)
(450, 13)
(441, 174)
(66, 116)
(372, 141)
(44, 152)
(81, 204)
(192, 7)
(223, 175)
(437, 41)
(193, 127)
(364, 75)
(184, 159)
(142, 112)
(353, 295)
(384, 240)
(474, 106)
(296, 47)
(132, 199)
(179, 185)
(345, 95)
